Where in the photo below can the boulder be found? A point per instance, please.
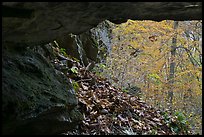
(37, 99)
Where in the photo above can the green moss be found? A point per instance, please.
(75, 86)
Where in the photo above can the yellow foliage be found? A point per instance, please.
(154, 41)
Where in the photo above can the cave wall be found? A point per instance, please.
(41, 22)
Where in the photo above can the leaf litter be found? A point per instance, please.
(109, 111)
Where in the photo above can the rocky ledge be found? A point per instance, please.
(42, 22)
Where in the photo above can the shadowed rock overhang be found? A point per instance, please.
(41, 22)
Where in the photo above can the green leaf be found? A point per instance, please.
(63, 51)
(74, 70)
(180, 116)
(75, 86)
(175, 129)
(154, 76)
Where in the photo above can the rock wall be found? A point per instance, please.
(42, 22)
(103, 36)
(37, 99)
(90, 46)
(81, 47)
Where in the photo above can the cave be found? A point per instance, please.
(37, 99)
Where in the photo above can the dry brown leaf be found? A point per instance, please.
(122, 119)
(107, 109)
(156, 119)
(84, 86)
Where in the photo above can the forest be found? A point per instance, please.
(161, 62)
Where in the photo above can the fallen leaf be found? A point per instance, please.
(84, 87)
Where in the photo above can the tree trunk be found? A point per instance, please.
(172, 67)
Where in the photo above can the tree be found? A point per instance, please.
(172, 66)
(164, 59)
